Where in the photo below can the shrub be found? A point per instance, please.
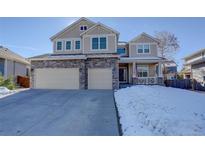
(9, 83)
(1, 80)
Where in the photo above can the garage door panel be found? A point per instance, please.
(57, 78)
(100, 78)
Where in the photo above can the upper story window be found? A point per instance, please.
(121, 51)
(68, 45)
(103, 43)
(95, 43)
(99, 43)
(83, 27)
(140, 49)
(143, 48)
(59, 45)
(142, 71)
(77, 45)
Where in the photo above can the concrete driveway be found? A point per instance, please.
(59, 112)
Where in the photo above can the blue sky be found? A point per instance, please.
(30, 36)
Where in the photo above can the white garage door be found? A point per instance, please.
(57, 78)
(99, 78)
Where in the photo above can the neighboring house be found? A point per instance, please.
(196, 63)
(170, 70)
(85, 56)
(186, 72)
(140, 62)
(12, 64)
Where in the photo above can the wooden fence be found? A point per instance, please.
(23, 81)
(185, 84)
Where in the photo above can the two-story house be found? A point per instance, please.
(84, 57)
(88, 55)
(140, 62)
(194, 66)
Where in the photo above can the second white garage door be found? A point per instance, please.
(56, 78)
(99, 78)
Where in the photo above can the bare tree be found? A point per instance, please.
(168, 45)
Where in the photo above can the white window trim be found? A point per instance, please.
(75, 42)
(143, 44)
(83, 27)
(144, 67)
(71, 45)
(57, 45)
(99, 36)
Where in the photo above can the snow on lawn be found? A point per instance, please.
(4, 92)
(157, 110)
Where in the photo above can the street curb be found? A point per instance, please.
(118, 117)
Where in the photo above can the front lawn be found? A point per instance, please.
(157, 110)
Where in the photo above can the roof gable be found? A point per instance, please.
(8, 54)
(101, 29)
(144, 38)
(195, 54)
(70, 27)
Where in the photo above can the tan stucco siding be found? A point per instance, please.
(111, 44)
(74, 32)
(98, 30)
(143, 39)
(71, 34)
(133, 50)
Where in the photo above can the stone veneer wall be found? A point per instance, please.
(83, 66)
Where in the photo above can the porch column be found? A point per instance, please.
(160, 69)
(134, 73)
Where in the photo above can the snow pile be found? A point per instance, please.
(4, 90)
(157, 110)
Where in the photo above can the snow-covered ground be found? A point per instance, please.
(4, 92)
(157, 110)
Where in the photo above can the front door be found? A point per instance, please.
(123, 74)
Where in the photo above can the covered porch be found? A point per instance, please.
(138, 71)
